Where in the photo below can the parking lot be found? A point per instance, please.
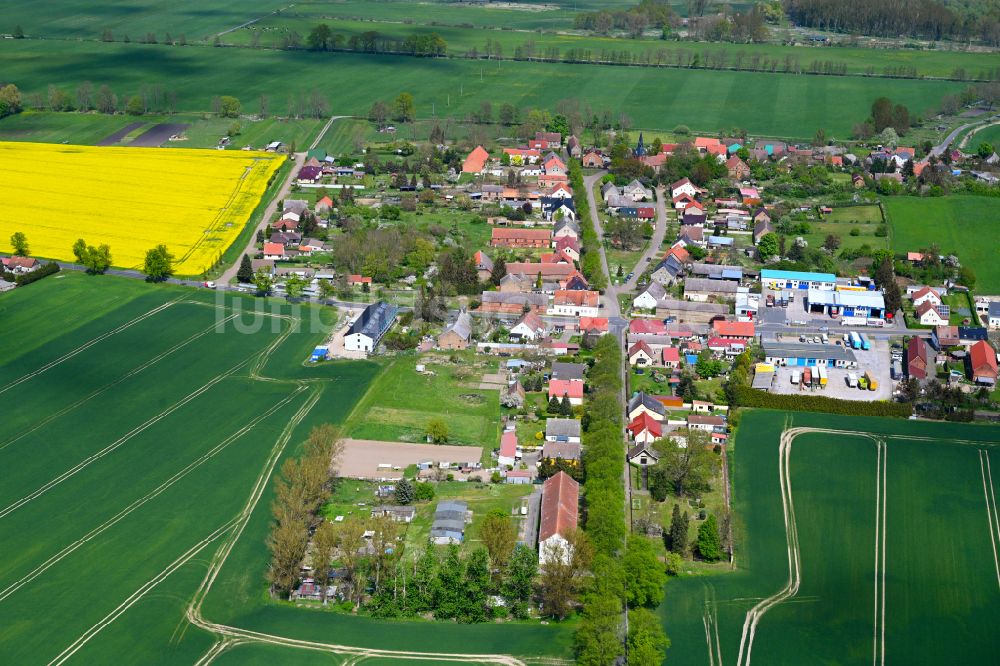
(876, 360)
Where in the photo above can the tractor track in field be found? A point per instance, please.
(791, 587)
(131, 373)
(87, 345)
(991, 507)
(121, 441)
(156, 492)
(878, 642)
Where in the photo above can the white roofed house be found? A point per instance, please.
(367, 330)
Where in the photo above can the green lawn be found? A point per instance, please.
(653, 98)
(989, 135)
(400, 403)
(965, 225)
(940, 577)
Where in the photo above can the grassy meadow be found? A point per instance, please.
(939, 566)
(967, 226)
(779, 105)
(401, 401)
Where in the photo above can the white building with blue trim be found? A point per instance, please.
(773, 279)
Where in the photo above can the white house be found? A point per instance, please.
(993, 314)
(368, 329)
(562, 430)
(650, 296)
(926, 295)
(684, 186)
(575, 303)
(929, 315)
(508, 449)
(528, 327)
(559, 515)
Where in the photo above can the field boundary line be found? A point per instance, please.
(87, 345)
(119, 442)
(156, 492)
(194, 615)
(136, 596)
(791, 587)
(990, 517)
(131, 373)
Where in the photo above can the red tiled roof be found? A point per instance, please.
(593, 323)
(560, 387)
(532, 269)
(515, 233)
(508, 444)
(640, 347)
(476, 160)
(645, 422)
(733, 329)
(983, 359)
(671, 355)
(560, 505)
(274, 248)
(647, 326)
(576, 297)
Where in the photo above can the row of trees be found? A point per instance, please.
(322, 38)
(300, 490)
(590, 260)
(930, 19)
(624, 570)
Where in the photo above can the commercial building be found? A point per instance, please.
(866, 304)
(808, 355)
(772, 279)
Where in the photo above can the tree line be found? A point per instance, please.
(322, 38)
(928, 19)
(590, 259)
(624, 570)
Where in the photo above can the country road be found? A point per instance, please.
(251, 249)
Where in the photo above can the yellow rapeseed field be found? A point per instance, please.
(195, 202)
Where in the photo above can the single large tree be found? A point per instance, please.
(519, 583)
(19, 242)
(403, 108)
(245, 273)
(647, 644)
(709, 543)
(159, 264)
(687, 469)
(499, 534)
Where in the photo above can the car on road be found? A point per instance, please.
(209, 284)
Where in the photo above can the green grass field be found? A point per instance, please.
(965, 225)
(140, 435)
(709, 101)
(461, 38)
(79, 19)
(401, 402)
(140, 432)
(204, 131)
(936, 570)
(990, 135)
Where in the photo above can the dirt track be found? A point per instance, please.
(362, 457)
